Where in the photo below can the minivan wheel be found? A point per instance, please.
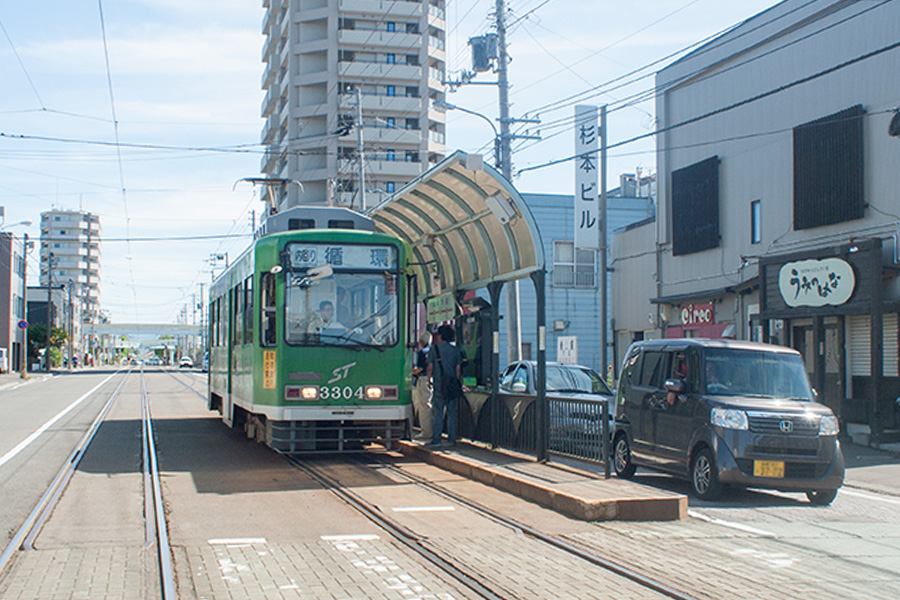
(821, 497)
(622, 457)
(705, 476)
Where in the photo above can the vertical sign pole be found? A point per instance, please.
(604, 308)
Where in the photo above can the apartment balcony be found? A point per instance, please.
(268, 76)
(270, 102)
(394, 169)
(400, 104)
(268, 132)
(384, 135)
(437, 16)
(269, 47)
(407, 42)
(268, 19)
(396, 8)
(380, 71)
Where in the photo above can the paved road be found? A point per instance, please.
(244, 523)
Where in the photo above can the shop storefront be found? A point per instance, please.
(831, 305)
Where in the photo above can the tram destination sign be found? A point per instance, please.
(343, 256)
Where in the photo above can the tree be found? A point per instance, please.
(37, 341)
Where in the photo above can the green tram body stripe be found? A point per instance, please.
(237, 370)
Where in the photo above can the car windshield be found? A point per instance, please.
(730, 372)
(574, 379)
(345, 308)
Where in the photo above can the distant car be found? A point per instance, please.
(153, 361)
(186, 363)
(576, 395)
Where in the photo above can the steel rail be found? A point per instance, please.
(26, 534)
(164, 550)
(172, 375)
(594, 559)
(407, 537)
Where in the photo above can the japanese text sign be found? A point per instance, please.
(587, 212)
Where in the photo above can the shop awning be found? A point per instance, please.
(468, 226)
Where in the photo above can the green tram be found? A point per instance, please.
(309, 336)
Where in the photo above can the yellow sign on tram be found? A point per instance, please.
(269, 369)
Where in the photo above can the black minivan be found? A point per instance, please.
(724, 412)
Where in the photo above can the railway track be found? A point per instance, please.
(466, 574)
(156, 531)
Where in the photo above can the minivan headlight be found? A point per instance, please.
(829, 425)
(729, 418)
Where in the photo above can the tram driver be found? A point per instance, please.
(325, 321)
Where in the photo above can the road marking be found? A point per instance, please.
(876, 497)
(423, 508)
(236, 541)
(775, 560)
(27, 441)
(350, 538)
(731, 524)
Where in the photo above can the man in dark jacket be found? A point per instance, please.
(444, 360)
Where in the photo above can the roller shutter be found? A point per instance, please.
(860, 355)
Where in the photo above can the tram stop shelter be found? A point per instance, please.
(470, 229)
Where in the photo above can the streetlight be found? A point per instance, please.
(449, 106)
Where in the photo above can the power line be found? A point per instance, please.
(21, 64)
(737, 104)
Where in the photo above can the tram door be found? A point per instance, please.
(803, 337)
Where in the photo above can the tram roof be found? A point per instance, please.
(466, 219)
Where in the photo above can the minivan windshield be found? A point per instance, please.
(575, 379)
(732, 372)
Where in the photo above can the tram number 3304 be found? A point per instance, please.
(339, 393)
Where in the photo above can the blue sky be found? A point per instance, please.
(186, 76)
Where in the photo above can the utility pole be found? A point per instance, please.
(23, 360)
(359, 149)
(71, 324)
(47, 362)
(604, 136)
(513, 322)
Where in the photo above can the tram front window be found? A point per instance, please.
(342, 309)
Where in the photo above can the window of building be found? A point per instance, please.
(412, 28)
(412, 59)
(391, 26)
(829, 170)
(412, 123)
(412, 156)
(695, 207)
(391, 122)
(391, 59)
(390, 156)
(574, 268)
(755, 222)
(389, 187)
(346, 55)
(391, 91)
(412, 91)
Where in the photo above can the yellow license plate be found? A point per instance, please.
(768, 468)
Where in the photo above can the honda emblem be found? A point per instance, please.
(785, 426)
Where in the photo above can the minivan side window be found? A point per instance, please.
(631, 368)
(654, 369)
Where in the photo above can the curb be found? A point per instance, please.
(668, 507)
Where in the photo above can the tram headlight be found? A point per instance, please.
(309, 392)
(374, 392)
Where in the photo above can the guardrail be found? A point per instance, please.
(578, 428)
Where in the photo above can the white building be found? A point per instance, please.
(778, 206)
(318, 55)
(12, 302)
(70, 257)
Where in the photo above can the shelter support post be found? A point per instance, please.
(819, 361)
(543, 422)
(494, 289)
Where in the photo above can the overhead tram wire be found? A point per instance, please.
(22, 64)
(652, 93)
(745, 101)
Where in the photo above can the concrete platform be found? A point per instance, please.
(572, 491)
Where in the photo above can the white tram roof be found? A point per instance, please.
(466, 219)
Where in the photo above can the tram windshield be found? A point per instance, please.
(348, 304)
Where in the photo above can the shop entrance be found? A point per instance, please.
(831, 388)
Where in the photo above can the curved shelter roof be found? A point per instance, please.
(465, 221)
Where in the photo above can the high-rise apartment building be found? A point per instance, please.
(70, 257)
(321, 57)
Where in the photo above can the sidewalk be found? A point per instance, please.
(873, 469)
(13, 380)
(571, 489)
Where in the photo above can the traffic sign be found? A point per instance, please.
(23, 324)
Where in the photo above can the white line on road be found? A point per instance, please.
(350, 538)
(731, 524)
(235, 541)
(24, 443)
(876, 497)
(423, 508)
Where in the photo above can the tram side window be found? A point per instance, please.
(237, 333)
(248, 310)
(269, 310)
(213, 323)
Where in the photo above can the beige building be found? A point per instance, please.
(321, 56)
(70, 257)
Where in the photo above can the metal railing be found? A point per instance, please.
(578, 428)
